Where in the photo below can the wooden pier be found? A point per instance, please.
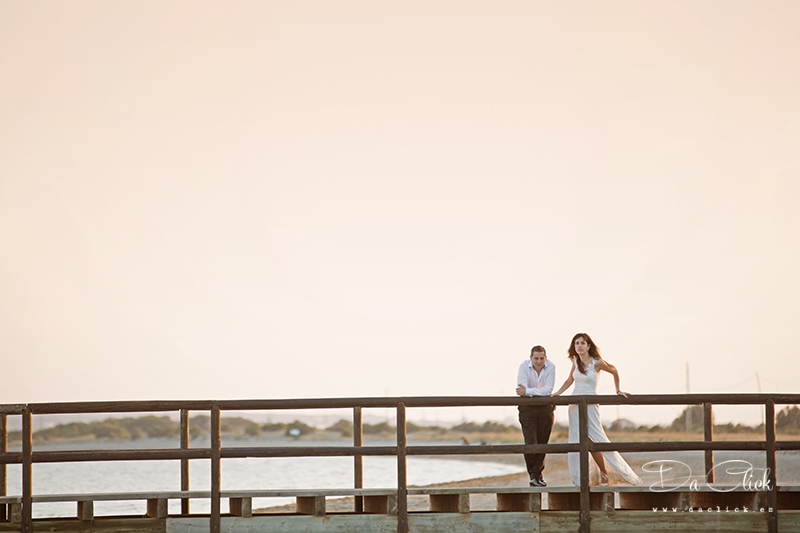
(570, 509)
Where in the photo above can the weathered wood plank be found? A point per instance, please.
(708, 436)
(389, 402)
(789, 521)
(724, 500)
(216, 457)
(184, 462)
(418, 523)
(349, 523)
(638, 521)
(474, 523)
(381, 504)
(27, 471)
(305, 492)
(485, 522)
(116, 496)
(98, 525)
(358, 460)
(15, 513)
(449, 503)
(402, 474)
(520, 502)
(157, 508)
(788, 500)
(571, 501)
(493, 490)
(3, 471)
(311, 505)
(241, 506)
(85, 511)
(648, 500)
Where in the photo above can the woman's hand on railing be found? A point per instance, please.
(623, 393)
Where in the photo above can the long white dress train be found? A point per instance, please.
(587, 384)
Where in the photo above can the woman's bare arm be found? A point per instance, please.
(602, 364)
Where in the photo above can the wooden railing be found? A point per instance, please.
(402, 450)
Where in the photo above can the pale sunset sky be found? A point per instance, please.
(280, 199)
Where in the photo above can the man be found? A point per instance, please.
(536, 377)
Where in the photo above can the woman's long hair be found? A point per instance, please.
(594, 351)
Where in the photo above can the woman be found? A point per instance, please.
(586, 364)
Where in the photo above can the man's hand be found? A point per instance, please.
(520, 390)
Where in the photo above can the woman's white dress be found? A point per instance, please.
(587, 384)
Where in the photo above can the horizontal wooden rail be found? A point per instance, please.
(492, 449)
(118, 407)
(119, 455)
(634, 399)
(391, 402)
(676, 446)
(309, 451)
(352, 451)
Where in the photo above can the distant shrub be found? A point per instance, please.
(679, 424)
(486, 427)
(298, 428)
(112, 428)
(381, 428)
(411, 427)
(199, 425)
(273, 427)
(345, 427)
(788, 419)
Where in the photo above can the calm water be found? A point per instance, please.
(239, 474)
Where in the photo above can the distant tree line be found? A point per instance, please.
(787, 420)
(152, 427)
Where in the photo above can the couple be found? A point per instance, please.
(536, 377)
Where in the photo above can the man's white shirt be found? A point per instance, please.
(537, 383)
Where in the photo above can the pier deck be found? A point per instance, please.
(770, 508)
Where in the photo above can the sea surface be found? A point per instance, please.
(236, 474)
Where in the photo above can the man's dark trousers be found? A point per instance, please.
(536, 422)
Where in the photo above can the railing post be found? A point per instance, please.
(772, 478)
(216, 454)
(402, 478)
(708, 436)
(583, 432)
(358, 460)
(184, 462)
(27, 471)
(3, 449)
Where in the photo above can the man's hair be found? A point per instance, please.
(539, 349)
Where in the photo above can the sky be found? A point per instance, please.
(274, 199)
